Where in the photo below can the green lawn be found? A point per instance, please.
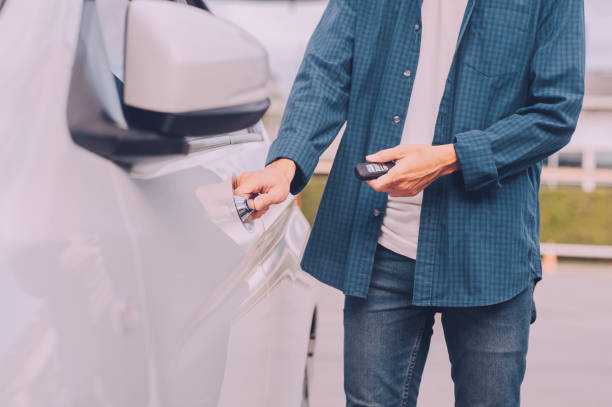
(568, 215)
(311, 195)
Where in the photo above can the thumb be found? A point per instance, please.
(275, 195)
(260, 202)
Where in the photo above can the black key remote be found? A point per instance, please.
(368, 171)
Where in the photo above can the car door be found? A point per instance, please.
(252, 292)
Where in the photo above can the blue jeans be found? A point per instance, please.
(386, 340)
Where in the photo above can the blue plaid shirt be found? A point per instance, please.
(512, 97)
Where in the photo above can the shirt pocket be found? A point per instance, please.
(496, 40)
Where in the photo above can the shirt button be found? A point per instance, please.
(407, 73)
(417, 27)
(376, 212)
(396, 119)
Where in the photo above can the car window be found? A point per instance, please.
(112, 15)
(98, 66)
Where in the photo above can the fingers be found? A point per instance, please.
(262, 188)
(261, 202)
(248, 189)
(374, 185)
(389, 154)
(248, 185)
(381, 184)
(251, 204)
(390, 184)
(260, 205)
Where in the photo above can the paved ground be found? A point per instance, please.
(570, 354)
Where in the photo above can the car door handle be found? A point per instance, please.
(241, 203)
(242, 207)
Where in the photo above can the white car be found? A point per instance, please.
(127, 277)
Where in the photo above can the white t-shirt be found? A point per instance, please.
(441, 22)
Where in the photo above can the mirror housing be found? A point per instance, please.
(190, 73)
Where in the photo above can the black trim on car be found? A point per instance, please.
(201, 123)
(91, 126)
(198, 4)
(3, 1)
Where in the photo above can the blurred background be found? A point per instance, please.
(570, 356)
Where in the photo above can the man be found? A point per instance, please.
(467, 97)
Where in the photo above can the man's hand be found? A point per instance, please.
(272, 184)
(416, 166)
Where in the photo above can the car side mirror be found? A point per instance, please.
(190, 73)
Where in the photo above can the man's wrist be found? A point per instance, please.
(449, 162)
(286, 166)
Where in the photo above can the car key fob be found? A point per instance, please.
(368, 171)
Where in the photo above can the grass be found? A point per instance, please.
(311, 195)
(568, 215)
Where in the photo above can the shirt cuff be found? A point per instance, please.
(476, 159)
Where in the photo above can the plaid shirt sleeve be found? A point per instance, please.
(317, 105)
(555, 99)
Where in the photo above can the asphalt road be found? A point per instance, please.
(570, 352)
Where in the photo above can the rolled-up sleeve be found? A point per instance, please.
(317, 105)
(547, 122)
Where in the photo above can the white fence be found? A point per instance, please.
(577, 251)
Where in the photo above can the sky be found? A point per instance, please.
(598, 15)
